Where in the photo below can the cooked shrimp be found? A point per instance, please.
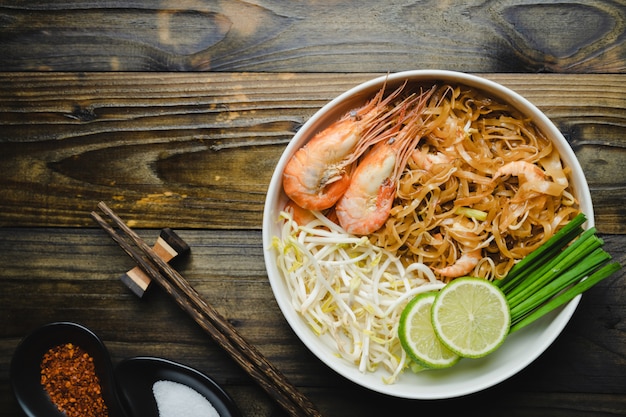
(426, 160)
(303, 217)
(367, 202)
(319, 173)
(300, 216)
(451, 131)
(532, 180)
(463, 266)
(523, 169)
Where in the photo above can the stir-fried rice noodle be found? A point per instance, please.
(451, 184)
(482, 180)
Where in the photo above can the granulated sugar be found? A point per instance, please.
(178, 400)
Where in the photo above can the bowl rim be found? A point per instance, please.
(553, 324)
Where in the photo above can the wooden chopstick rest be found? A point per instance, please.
(167, 246)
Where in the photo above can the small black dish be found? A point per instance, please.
(136, 377)
(25, 371)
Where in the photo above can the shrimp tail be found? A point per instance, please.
(308, 188)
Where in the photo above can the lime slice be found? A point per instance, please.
(471, 317)
(417, 336)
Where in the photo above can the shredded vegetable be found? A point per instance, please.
(350, 290)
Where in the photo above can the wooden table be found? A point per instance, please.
(175, 113)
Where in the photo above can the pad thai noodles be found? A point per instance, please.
(480, 189)
(484, 181)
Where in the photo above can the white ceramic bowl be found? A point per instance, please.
(468, 376)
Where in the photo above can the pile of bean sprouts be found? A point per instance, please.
(345, 287)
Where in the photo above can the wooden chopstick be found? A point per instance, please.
(224, 334)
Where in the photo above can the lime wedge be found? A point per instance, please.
(418, 338)
(471, 317)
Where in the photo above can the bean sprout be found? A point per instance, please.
(346, 287)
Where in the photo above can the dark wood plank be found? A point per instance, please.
(72, 274)
(194, 148)
(282, 36)
(199, 149)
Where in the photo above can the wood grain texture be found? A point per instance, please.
(175, 113)
(74, 273)
(200, 149)
(311, 36)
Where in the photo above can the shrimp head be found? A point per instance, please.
(316, 176)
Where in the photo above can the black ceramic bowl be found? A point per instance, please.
(25, 371)
(136, 377)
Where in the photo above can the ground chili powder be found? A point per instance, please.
(69, 376)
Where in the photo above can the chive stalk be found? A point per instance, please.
(572, 275)
(567, 295)
(567, 264)
(579, 249)
(546, 251)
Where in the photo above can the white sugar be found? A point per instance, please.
(178, 400)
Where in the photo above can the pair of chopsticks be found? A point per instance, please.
(226, 336)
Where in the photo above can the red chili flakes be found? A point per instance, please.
(69, 376)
